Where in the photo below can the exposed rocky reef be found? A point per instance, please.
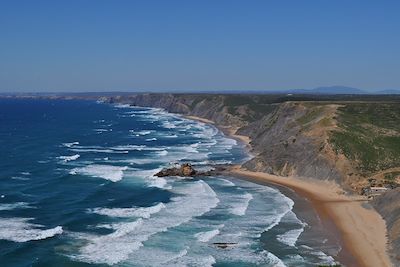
(184, 170)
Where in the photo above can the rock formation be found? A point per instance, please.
(187, 170)
(184, 170)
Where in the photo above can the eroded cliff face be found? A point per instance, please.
(283, 143)
(288, 139)
(284, 148)
(208, 107)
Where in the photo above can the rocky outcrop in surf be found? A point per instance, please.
(184, 170)
(187, 170)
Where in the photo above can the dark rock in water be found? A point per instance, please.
(224, 245)
(187, 170)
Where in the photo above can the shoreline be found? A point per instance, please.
(229, 131)
(361, 230)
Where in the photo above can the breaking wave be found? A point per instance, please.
(108, 172)
(196, 198)
(129, 212)
(240, 204)
(206, 236)
(69, 158)
(21, 230)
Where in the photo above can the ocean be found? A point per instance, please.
(77, 189)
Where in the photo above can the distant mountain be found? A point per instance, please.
(339, 90)
(389, 92)
(330, 90)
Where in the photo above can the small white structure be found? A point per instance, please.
(374, 191)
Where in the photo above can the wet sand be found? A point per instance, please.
(362, 230)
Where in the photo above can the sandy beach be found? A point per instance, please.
(362, 230)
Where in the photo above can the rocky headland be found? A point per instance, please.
(352, 141)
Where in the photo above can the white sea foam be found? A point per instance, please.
(17, 205)
(143, 132)
(148, 176)
(102, 130)
(162, 153)
(129, 147)
(136, 148)
(21, 230)
(241, 230)
(141, 161)
(70, 144)
(143, 212)
(122, 106)
(108, 172)
(69, 158)
(290, 237)
(20, 178)
(325, 259)
(187, 149)
(227, 182)
(158, 182)
(241, 204)
(169, 136)
(151, 139)
(206, 236)
(275, 261)
(99, 150)
(195, 199)
(170, 258)
(197, 261)
(168, 125)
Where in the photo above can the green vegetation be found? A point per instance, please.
(257, 106)
(391, 176)
(369, 135)
(312, 114)
(238, 100)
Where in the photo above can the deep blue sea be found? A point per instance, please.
(77, 189)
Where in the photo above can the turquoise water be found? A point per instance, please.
(77, 189)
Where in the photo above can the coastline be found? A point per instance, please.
(229, 131)
(362, 231)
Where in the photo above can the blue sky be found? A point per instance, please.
(96, 45)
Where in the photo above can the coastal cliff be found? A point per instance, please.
(284, 140)
(355, 143)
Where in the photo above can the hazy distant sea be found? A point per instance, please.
(77, 189)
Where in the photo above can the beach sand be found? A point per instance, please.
(362, 230)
